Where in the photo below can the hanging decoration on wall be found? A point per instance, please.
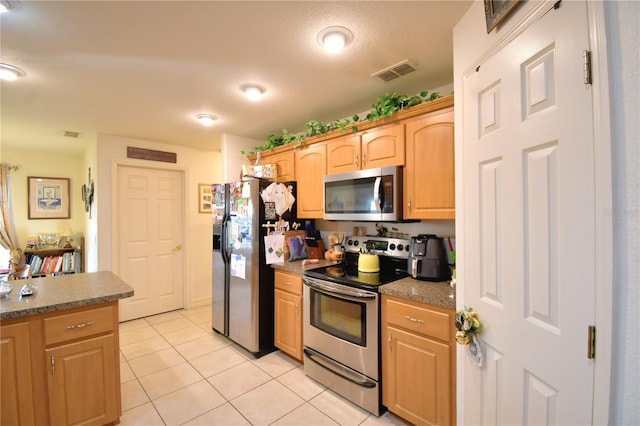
(87, 194)
(468, 332)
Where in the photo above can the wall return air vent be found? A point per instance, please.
(394, 71)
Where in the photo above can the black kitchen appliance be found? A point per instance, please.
(428, 258)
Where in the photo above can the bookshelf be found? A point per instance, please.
(54, 261)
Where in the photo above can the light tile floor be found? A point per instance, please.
(176, 371)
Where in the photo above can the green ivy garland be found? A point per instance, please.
(386, 106)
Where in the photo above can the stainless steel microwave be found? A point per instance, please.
(364, 195)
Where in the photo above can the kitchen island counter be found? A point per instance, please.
(63, 292)
(433, 293)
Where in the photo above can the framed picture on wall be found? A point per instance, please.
(496, 10)
(48, 198)
(205, 198)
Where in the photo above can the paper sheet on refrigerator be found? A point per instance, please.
(238, 263)
(274, 248)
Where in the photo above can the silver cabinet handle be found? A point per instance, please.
(364, 159)
(83, 325)
(414, 319)
(297, 307)
(53, 365)
(389, 342)
(356, 163)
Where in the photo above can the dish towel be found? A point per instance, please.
(280, 194)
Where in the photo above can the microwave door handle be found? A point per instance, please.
(377, 195)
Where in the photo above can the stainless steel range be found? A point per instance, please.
(342, 320)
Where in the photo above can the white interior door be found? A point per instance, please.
(529, 226)
(150, 237)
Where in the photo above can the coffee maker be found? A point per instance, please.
(428, 258)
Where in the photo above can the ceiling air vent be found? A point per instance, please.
(70, 134)
(394, 71)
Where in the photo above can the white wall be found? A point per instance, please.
(231, 146)
(199, 167)
(90, 159)
(623, 21)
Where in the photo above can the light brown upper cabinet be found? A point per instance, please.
(343, 154)
(285, 162)
(378, 147)
(383, 147)
(311, 166)
(429, 174)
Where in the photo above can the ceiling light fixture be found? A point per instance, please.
(334, 39)
(253, 91)
(10, 73)
(206, 119)
(5, 6)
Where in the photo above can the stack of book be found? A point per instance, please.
(52, 264)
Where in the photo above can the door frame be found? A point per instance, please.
(603, 199)
(115, 267)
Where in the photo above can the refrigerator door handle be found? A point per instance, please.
(224, 249)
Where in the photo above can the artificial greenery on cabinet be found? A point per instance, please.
(385, 106)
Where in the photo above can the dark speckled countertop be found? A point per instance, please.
(64, 292)
(296, 267)
(434, 293)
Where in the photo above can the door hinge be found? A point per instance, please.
(586, 62)
(591, 344)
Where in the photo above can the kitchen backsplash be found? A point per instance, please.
(441, 228)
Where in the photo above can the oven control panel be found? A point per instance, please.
(392, 247)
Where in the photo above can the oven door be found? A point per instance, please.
(341, 322)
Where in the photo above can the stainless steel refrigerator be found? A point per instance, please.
(243, 286)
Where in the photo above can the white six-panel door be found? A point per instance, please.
(150, 237)
(529, 225)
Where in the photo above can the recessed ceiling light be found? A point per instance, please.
(206, 119)
(10, 73)
(334, 39)
(253, 91)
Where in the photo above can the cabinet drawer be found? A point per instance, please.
(288, 282)
(418, 318)
(79, 324)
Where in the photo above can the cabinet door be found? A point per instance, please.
(416, 376)
(16, 394)
(383, 147)
(429, 172)
(310, 168)
(288, 323)
(82, 382)
(285, 162)
(343, 155)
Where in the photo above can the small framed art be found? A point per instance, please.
(496, 10)
(48, 198)
(205, 198)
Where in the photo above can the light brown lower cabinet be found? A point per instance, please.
(69, 360)
(288, 313)
(16, 393)
(418, 361)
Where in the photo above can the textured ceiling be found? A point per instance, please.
(143, 69)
